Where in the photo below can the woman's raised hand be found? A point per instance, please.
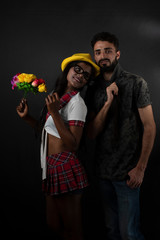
(53, 103)
(22, 109)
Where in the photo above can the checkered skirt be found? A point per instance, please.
(64, 174)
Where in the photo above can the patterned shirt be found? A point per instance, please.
(118, 146)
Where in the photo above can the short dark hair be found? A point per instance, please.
(105, 36)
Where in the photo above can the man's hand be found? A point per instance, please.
(111, 91)
(136, 176)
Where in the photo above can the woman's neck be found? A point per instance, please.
(70, 89)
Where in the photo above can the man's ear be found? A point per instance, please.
(118, 54)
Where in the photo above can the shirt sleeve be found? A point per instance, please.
(142, 94)
(77, 111)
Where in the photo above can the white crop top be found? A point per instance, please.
(75, 109)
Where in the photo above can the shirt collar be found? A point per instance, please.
(66, 98)
(117, 73)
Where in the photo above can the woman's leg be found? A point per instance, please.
(53, 216)
(71, 212)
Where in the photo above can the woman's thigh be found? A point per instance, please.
(52, 214)
(71, 213)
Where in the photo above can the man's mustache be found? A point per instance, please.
(104, 59)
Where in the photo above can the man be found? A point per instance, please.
(121, 120)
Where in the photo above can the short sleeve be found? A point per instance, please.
(77, 111)
(141, 93)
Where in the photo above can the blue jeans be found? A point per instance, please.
(121, 210)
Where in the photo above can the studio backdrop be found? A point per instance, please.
(35, 37)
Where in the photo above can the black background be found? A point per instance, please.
(35, 37)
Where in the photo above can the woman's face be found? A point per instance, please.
(78, 75)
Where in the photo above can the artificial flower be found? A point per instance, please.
(28, 83)
(42, 88)
(37, 82)
(15, 80)
(24, 77)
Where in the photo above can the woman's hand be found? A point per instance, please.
(53, 103)
(22, 109)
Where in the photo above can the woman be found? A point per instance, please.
(64, 177)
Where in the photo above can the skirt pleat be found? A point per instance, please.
(65, 173)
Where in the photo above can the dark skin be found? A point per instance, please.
(70, 137)
(65, 208)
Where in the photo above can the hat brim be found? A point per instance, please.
(73, 58)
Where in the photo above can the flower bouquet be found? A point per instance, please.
(28, 82)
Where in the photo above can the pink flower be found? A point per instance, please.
(15, 80)
(37, 82)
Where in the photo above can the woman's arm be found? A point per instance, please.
(22, 111)
(70, 137)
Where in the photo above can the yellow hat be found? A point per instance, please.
(84, 57)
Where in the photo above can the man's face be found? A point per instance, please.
(106, 56)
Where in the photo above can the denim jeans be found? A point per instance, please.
(121, 210)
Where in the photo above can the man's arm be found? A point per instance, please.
(136, 175)
(96, 124)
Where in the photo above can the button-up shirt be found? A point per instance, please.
(118, 146)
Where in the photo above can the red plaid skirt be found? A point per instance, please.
(64, 174)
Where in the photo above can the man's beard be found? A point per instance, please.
(109, 69)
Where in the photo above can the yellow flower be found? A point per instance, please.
(24, 77)
(42, 88)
